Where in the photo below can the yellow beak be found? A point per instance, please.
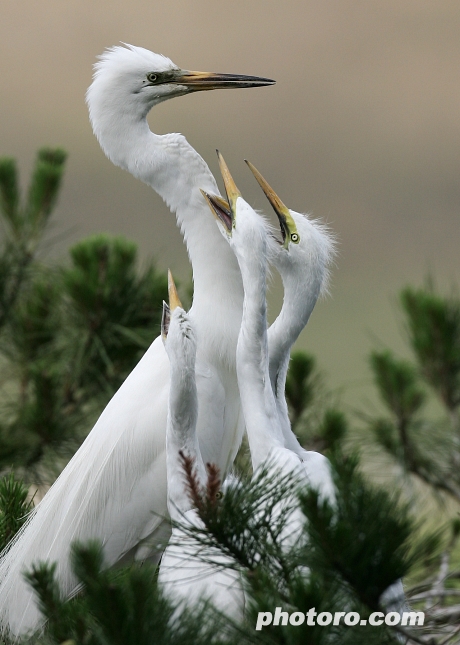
(174, 301)
(200, 81)
(287, 224)
(230, 187)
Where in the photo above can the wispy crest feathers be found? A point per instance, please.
(130, 56)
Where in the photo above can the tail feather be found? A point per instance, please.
(114, 490)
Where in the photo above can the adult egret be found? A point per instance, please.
(114, 488)
(183, 574)
(302, 257)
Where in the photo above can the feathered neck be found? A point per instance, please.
(300, 296)
(177, 172)
(305, 274)
(259, 408)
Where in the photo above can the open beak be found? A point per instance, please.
(198, 81)
(174, 302)
(165, 320)
(288, 228)
(224, 210)
(220, 209)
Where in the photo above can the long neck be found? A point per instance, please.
(177, 172)
(300, 295)
(301, 292)
(256, 393)
(181, 431)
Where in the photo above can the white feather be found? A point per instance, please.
(184, 575)
(115, 486)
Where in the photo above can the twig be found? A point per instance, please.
(431, 593)
(438, 586)
(413, 638)
(452, 635)
(443, 613)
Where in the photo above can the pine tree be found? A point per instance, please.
(426, 448)
(69, 335)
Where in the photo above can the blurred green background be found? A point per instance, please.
(361, 130)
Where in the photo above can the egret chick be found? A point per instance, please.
(185, 578)
(302, 257)
(247, 234)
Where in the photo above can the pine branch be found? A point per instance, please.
(9, 191)
(434, 333)
(213, 483)
(194, 489)
(14, 507)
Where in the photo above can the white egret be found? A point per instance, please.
(302, 257)
(183, 574)
(114, 488)
(247, 235)
(304, 274)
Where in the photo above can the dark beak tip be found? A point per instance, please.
(235, 80)
(264, 81)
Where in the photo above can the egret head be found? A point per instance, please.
(134, 78)
(306, 247)
(289, 233)
(237, 220)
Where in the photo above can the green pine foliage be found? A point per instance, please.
(301, 384)
(425, 447)
(69, 335)
(434, 333)
(115, 310)
(24, 223)
(315, 418)
(346, 558)
(14, 507)
(114, 609)
(424, 444)
(370, 538)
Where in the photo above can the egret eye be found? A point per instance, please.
(152, 77)
(219, 494)
(294, 238)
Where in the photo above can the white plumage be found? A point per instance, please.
(184, 575)
(302, 257)
(114, 488)
(247, 234)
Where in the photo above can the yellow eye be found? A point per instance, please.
(219, 494)
(152, 77)
(295, 238)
